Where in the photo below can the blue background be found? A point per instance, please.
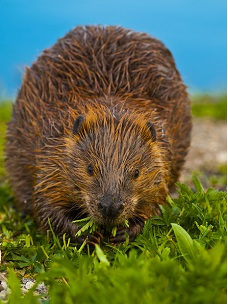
(194, 31)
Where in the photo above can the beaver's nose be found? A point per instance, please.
(110, 206)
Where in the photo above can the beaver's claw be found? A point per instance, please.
(91, 239)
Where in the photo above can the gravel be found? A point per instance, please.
(26, 284)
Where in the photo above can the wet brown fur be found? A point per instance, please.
(118, 80)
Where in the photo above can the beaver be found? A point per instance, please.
(100, 128)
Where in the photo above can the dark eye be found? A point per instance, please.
(90, 170)
(136, 173)
(157, 183)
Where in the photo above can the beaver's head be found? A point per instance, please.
(116, 166)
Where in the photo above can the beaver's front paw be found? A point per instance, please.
(132, 232)
(91, 239)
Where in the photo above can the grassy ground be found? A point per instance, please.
(209, 106)
(5, 113)
(179, 258)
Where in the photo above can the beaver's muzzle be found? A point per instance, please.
(110, 206)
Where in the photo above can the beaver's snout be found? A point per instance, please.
(110, 206)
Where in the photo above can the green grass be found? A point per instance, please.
(5, 113)
(179, 258)
(209, 106)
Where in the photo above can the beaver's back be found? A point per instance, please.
(108, 65)
(97, 61)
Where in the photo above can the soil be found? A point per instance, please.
(208, 153)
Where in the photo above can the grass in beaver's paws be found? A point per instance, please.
(88, 225)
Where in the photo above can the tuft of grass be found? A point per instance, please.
(209, 106)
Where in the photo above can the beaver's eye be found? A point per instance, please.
(136, 173)
(90, 169)
(157, 183)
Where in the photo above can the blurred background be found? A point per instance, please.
(194, 31)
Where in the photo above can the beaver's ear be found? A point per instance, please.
(151, 128)
(78, 124)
